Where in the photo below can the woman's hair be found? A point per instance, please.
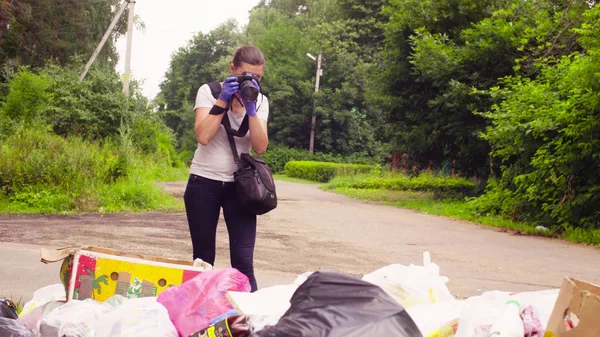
(248, 54)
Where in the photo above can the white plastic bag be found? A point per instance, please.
(258, 323)
(141, 317)
(269, 302)
(74, 319)
(33, 320)
(55, 292)
(204, 266)
(431, 318)
(481, 311)
(412, 285)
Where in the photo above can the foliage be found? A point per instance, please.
(42, 172)
(345, 32)
(441, 56)
(323, 172)
(440, 186)
(34, 32)
(70, 146)
(278, 156)
(544, 132)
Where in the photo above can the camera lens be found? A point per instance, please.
(249, 91)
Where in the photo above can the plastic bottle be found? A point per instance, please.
(509, 323)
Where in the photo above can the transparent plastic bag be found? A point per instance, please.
(141, 317)
(481, 311)
(55, 292)
(195, 303)
(412, 285)
(436, 319)
(33, 320)
(74, 319)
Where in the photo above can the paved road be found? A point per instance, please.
(311, 230)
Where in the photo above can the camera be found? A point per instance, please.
(247, 88)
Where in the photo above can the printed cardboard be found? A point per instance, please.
(100, 273)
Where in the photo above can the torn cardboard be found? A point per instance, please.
(100, 273)
(576, 311)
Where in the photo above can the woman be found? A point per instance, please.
(210, 186)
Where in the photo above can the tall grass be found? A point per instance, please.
(41, 172)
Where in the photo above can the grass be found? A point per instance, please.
(426, 203)
(139, 193)
(283, 177)
(459, 209)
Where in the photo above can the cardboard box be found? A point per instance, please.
(100, 273)
(576, 312)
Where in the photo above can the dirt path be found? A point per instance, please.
(312, 229)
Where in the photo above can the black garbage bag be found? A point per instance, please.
(330, 304)
(8, 309)
(13, 328)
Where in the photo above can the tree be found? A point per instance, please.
(205, 58)
(34, 32)
(544, 134)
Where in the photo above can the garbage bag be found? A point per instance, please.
(140, 317)
(412, 285)
(8, 309)
(33, 320)
(481, 311)
(12, 328)
(330, 304)
(74, 319)
(271, 301)
(195, 303)
(440, 318)
(55, 292)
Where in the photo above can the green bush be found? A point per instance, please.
(323, 172)
(27, 97)
(278, 156)
(441, 186)
(544, 136)
(44, 173)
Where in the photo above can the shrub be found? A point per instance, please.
(27, 97)
(322, 171)
(441, 186)
(43, 172)
(278, 156)
(544, 134)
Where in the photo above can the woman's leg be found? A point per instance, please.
(202, 206)
(241, 226)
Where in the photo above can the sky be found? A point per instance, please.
(170, 25)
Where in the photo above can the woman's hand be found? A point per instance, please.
(251, 106)
(230, 88)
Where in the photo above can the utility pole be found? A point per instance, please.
(104, 39)
(127, 74)
(313, 123)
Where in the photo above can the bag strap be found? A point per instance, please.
(236, 157)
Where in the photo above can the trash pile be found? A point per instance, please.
(106, 293)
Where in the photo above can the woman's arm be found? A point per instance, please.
(207, 125)
(259, 137)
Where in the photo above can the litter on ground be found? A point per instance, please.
(106, 293)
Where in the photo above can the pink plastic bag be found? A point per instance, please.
(193, 304)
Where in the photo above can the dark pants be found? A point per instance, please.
(203, 201)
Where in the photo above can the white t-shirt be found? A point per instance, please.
(215, 160)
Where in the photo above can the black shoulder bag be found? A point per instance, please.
(253, 179)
